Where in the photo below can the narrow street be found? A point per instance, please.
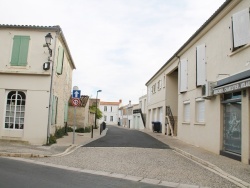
(135, 153)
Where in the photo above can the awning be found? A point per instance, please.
(232, 87)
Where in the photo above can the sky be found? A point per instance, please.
(116, 45)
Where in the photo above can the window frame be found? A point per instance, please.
(20, 51)
(185, 104)
(239, 44)
(198, 107)
(16, 119)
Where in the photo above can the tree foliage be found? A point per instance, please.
(92, 109)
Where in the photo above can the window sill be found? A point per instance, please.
(197, 123)
(24, 72)
(238, 50)
(186, 123)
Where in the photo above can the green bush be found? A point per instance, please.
(52, 139)
(80, 130)
(60, 132)
(87, 129)
(69, 129)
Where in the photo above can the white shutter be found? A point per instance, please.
(183, 75)
(241, 28)
(201, 65)
(200, 116)
(187, 112)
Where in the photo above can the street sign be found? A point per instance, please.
(76, 94)
(75, 101)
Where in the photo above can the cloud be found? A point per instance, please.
(117, 45)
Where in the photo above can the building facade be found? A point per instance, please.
(206, 85)
(110, 112)
(35, 82)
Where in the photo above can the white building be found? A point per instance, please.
(110, 112)
(206, 84)
(35, 82)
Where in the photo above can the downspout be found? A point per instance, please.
(51, 93)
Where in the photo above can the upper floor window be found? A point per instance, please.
(183, 75)
(164, 81)
(105, 108)
(159, 84)
(15, 109)
(20, 50)
(201, 65)
(110, 108)
(240, 28)
(60, 58)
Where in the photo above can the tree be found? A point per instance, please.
(92, 109)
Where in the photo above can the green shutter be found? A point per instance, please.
(66, 112)
(20, 50)
(59, 67)
(54, 110)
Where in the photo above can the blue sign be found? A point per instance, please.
(76, 94)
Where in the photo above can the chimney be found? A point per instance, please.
(129, 103)
(120, 101)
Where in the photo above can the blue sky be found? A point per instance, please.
(117, 45)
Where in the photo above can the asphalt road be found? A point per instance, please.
(119, 137)
(21, 174)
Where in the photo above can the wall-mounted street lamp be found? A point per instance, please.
(96, 107)
(48, 40)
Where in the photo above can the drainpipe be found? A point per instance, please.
(51, 89)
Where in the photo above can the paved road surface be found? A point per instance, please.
(22, 175)
(119, 137)
(134, 153)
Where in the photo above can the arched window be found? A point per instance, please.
(15, 109)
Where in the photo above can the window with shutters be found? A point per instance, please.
(15, 110)
(240, 29)
(200, 110)
(60, 58)
(20, 50)
(159, 85)
(201, 65)
(183, 75)
(186, 113)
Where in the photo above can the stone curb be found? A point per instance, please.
(238, 181)
(68, 151)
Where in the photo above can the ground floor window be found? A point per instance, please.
(200, 110)
(232, 123)
(105, 118)
(186, 115)
(111, 118)
(15, 110)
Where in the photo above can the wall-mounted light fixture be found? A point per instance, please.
(48, 39)
(46, 66)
